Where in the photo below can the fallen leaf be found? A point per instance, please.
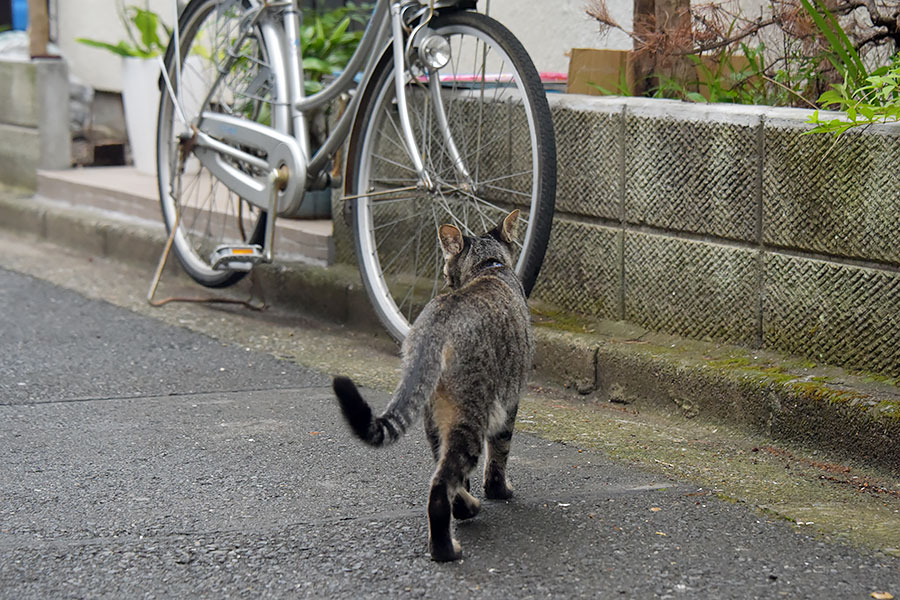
(655, 509)
(882, 596)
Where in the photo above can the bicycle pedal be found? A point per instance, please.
(237, 257)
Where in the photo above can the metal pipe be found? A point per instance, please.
(434, 84)
(292, 23)
(400, 91)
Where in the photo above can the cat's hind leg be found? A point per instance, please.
(448, 496)
(465, 506)
(496, 486)
(441, 544)
(432, 432)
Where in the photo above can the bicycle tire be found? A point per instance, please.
(400, 262)
(211, 214)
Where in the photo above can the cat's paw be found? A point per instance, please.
(497, 490)
(465, 506)
(445, 552)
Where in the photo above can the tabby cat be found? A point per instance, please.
(465, 362)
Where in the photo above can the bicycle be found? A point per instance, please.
(447, 121)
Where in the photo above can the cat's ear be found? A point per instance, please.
(451, 240)
(509, 226)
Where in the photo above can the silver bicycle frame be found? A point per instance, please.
(292, 106)
(384, 27)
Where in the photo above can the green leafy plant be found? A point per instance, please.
(622, 87)
(808, 49)
(793, 78)
(865, 98)
(876, 100)
(143, 27)
(328, 41)
(726, 77)
(843, 55)
(739, 73)
(718, 77)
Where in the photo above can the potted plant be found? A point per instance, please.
(140, 74)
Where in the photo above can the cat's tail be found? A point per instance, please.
(372, 430)
(420, 380)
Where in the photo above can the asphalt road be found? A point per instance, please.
(142, 459)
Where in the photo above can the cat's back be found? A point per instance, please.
(484, 303)
(487, 321)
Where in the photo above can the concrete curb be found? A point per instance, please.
(784, 397)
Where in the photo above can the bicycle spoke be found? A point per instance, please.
(394, 163)
(502, 177)
(394, 222)
(505, 190)
(398, 254)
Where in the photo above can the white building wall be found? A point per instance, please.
(550, 28)
(547, 28)
(99, 20)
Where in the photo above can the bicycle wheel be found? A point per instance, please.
(500, 154)
(211, 214)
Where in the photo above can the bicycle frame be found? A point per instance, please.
(382, 30)
(384, 27)
(277, 183)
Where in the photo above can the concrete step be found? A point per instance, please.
(127, 191)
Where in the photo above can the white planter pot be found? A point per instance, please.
(140, 95)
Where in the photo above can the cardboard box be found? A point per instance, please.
(600, 72)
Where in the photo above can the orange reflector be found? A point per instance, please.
(242, 251)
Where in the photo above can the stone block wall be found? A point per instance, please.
(725, 223)
(34, 119)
